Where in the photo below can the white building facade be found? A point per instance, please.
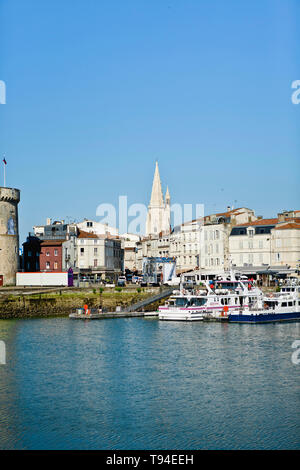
(266, 242)
(100, 255)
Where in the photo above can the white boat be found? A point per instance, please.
(277, 307)
(218, 300)
(290, 287)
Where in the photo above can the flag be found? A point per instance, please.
(4, 161)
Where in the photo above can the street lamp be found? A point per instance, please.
(270, 240)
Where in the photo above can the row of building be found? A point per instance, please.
(88, 248)
(235, 238)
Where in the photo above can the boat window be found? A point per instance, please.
(181, 302)
(284, 304)
(227, 285)
(290, 304)
(197, 301)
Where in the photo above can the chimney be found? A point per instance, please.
(228, 209)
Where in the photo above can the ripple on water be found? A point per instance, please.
(140, 384)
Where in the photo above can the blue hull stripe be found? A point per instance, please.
(264, 318)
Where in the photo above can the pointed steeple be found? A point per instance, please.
(168, 197)
(157, 194)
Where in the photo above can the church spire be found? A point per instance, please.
(158, 217)
(168, 197)
(157, 194)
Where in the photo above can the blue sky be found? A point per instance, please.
(97, 90)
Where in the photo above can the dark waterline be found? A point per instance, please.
(144, 384)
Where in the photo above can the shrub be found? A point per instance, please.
(118, 289)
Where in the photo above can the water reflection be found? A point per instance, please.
(145, 384)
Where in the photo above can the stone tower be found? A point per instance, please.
(9, 234)
(159, 211)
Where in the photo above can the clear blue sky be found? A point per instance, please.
(97, 90)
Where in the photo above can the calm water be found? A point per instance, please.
(145, 384)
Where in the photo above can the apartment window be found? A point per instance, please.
(251, 244)
(217, 234)
(95, 251)
(55, 252)
(81, 251)
(251, 232)
(55, 265)
(95, 263)
(278, 256)
(47, 265)
(95, 242)
(47, 253)
(29, 253)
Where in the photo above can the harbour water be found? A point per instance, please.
(139, 383)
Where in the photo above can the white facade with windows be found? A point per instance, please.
(98, 228)
(266, 242)
(99, 255)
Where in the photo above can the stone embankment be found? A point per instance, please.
(62, 303)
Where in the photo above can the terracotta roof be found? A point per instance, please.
(92, 235)
(52, 242)
(83, 234)
(288, 225)
(259, 222)
(236, 211)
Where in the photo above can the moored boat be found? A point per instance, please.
(273, 308)
(217, 300)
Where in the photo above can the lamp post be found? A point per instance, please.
(270, 240)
